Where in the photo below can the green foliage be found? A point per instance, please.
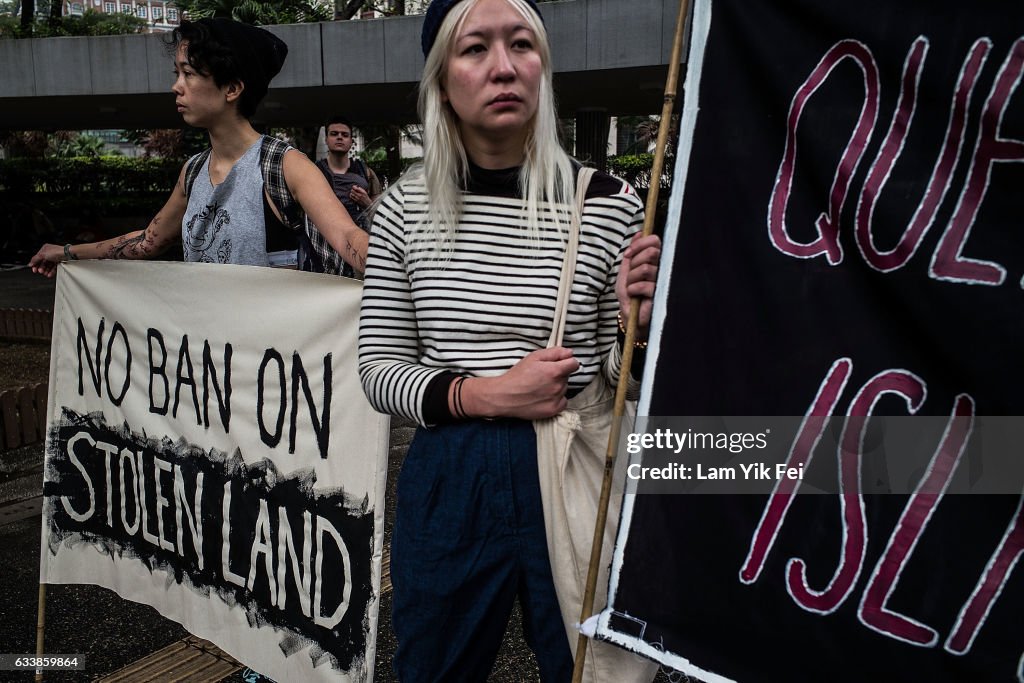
(57, 199)
(90, 23)
(377, 156)
(83, 146)
(101, 177)
(169, 143)
(259, 13)
(633, 168)
(636, 169)
(631, 163)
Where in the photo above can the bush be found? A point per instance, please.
(65, 199)
(633, 168)
(109, 176)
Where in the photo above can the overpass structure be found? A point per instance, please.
(610, 58)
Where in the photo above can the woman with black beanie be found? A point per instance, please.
(462, 284)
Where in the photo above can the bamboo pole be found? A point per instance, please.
(627, 350)
(40, 627)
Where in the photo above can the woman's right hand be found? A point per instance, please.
(534, 388)
(46, 259)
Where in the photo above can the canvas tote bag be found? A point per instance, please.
(570, 459)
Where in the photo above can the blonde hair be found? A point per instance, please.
(546, 174)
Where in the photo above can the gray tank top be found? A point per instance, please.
(224, 224)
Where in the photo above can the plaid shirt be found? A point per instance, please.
(324, 258)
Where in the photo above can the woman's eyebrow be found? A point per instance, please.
(484, 32)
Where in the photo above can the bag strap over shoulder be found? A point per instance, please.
(373, 180)
(583, 177)
(192, 168)
(272, 154)
(325, 169)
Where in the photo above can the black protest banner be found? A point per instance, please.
(848, 243)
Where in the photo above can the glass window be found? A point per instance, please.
(126, 9)
(158, 12)
(140, 11)
(172, 14)
(109, 7)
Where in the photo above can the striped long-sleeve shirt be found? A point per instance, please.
(425, 319)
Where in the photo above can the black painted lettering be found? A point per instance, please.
(271, 439)
(185, 375)
(118, 328)
(154, 335)
(94, 370)
(322, 423)
(210, 377)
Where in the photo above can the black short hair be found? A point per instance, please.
(232, 52)
(339, 118)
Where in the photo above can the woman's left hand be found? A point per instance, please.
(637, 277)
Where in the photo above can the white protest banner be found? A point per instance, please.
(210, 453)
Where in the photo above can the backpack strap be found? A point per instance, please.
(272, 153)
(372, 180)
(326, 170)
(356, 166)
(192, 168)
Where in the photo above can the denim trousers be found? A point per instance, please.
(468, 540)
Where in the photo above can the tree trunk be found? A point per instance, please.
(28, 15)
(393, 147)
(346, 9)
(56, 11)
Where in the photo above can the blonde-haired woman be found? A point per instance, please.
(461, 282)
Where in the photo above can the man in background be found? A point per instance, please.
(354, 183)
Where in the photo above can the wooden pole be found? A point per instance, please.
(40, 627)
(627, 350)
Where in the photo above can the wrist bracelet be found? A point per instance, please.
(68, 255)
(636, 343)
(457, 398)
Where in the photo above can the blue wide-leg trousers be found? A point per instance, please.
(468, 539)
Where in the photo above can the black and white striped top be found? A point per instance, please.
(423, 320)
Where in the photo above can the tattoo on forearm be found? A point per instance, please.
(139, 246)
(126, 248)
(358, 260)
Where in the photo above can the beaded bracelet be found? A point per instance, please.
(68, 254)
(636, 343)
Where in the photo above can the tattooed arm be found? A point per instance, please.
(309, 187)
(153, 240)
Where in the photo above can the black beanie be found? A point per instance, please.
(436, 13)
(259, 54)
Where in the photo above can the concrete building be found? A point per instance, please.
(161, 15)
(609, 56)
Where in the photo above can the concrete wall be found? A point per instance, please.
(608, 54)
